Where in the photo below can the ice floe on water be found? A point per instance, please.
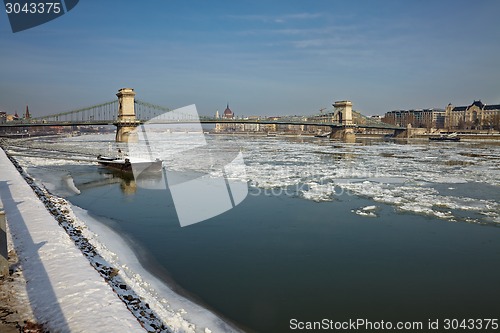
(317, 192)
(70, 184)
(403, 175)
(368, 211)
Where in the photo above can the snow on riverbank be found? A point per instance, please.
(155, 305)
(175, 310)
(65, 292)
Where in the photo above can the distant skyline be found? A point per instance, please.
(264, 58)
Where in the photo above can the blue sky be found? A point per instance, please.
(264, 58)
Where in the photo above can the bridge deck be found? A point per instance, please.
(203, 121)
(104, 114)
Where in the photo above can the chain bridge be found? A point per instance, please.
(127, 112)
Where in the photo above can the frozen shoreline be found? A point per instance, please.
(168, 305)
(154, 304)
(64, 292)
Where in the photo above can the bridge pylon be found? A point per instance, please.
(343, 115)
(126, 121)
(343, 112)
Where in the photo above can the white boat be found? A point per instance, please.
(449, 137)
(323, 135)
(128, 165)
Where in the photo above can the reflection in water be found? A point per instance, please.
(128, 183)
(455, 162)
(337, 156)
(128, 186)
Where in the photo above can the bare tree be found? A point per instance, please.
(461, 124)
(496, 121)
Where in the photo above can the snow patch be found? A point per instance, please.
(368, 211)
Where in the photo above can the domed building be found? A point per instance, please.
(228, 114)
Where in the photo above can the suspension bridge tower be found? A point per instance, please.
(343, 115)
(343, 112)
(126, 121)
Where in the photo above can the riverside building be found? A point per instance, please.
(477, 116)
(424, 118)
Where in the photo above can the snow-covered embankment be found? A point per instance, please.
(65, 292)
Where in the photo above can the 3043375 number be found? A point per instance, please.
(471, 324)
(33, 8)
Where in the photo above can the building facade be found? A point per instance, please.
(228, 114)
(475, 116)
(423, 118)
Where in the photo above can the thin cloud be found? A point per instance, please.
(298, 31)
(277, 18)
(302, 16)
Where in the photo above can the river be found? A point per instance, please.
(379, 230)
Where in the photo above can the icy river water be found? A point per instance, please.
(379, 230)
